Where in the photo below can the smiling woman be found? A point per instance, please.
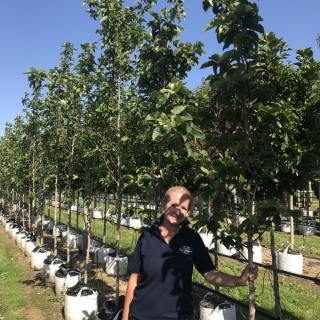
(162, 265)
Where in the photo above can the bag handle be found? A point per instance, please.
(199, 230)
(207, 295)
(116, 317)
(83, 288)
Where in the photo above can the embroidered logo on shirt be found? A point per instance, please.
(185, 250)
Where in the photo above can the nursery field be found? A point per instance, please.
(30, 299)
(115, 123)
(25, 297)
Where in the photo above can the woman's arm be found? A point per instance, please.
(132, 283)
(221, 279)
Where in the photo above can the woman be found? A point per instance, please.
(160, 284)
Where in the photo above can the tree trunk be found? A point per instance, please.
(308, 191)
(104, 220)
(318, 210)
(291, 223)
(29, 210)
(209, 206)
(87, 221)
(119, 196)
(250, 201)
(275, 280)
(86, 239)
(59, 195)
(252, 289)
(33, 187)
(78, 203)
(200, 205)
(70, 196)
(55, 245)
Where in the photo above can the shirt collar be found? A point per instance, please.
(159, 221)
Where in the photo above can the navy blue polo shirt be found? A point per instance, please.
(165, 290)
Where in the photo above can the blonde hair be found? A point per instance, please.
(179, 189)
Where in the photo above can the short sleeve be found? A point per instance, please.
(202, 260)
(135, 263)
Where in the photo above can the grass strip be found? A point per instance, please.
(11, 298)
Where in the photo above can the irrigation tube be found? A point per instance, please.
(242, 304)
(268, 266)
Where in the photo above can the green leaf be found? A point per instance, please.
(203, 169)
(187, 117)
(240, 38)
(149, 117)
(124, 138)
(258, 28)
(207, 64)
(156, 133)
(231, 54)
(241, 9)
(218, 84)
(178, 109)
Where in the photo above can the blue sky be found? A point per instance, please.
(32, 33)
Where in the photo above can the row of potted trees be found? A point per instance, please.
(287, 259)
(80, 300)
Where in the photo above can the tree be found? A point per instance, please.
(164, 100)
(121, 31)
(255, 110)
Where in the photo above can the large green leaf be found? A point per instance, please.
(178, 109)
(156, 133)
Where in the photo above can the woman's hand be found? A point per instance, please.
(250, 272)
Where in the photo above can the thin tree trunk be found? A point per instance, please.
(119, 196)
(104, 220)
(216, 263)
(38, 220)
(318, 210)
(55, 245)
(33, 188)
(252, 288)
(308, 197)
(86, 233)
(59, 195)
(275, 279)
(23, 208)
(87, 220)
(42, 208)
(86, 239)
(158, 188)
(69, 196)
(209, 206)
(29, 210)
(200, 205)
(252, 310)
(118, 237)
(291, 223)
(78, 203)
